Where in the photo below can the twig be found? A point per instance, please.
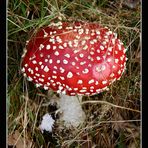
(114, 105)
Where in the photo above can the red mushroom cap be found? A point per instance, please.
(74, 58)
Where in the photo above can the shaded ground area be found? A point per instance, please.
(113, 120)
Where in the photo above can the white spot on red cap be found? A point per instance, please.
(100, 68)
(69, 27)
(121, 58)
(81, 55)
(37, 74)
(104, 43)
(75, 89)
(77, 36)
(80, 31)
(54, 77)
(70, 43)
(80, 82)
(67, 55)
(45, 87)
(104, 82)
(54, 47)
(98, 51)
(58, 61)
(26, 65)
(48, 83)
(48, 47)
(62, 78)
(29, 78)
(92, 87)
(113, 41)
(58, 39)
(50, 61)
(65, 44)
(65, 61)
(89, 65)
(109, 49)
(54, 72)
(121, 65)
(85, 71)
(41, 79)
(82, 63)
(62, 70)
(76, 51)
(61, 47)
(109, 60)
(40, 63)
(86, 30)
(92, 53)
(63, 92)
(54, 84)
(82, 90)
(34, 61)
(116, 52)
(43, 76)
(41, 55)
(77, 59)
(41, 46)
(116, 60)
(87, 37)
(96, 83)
(60, 27)
(114, 66)
(42, 66)
(87, 93)
(91, 81)
(73, 63)
(92, 34)
(95, 40)
(101, 47)
(119, 72)
(119, 46)
(36, 68)
(83, 42)
(46, 60)
(107, 40)
(92, 42)
(85, 47)
(38, 85)
(29, 69)
(56, 53)
(124, 51)
(98, 32)
(23, 69)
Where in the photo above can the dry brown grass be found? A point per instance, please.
(113, 117)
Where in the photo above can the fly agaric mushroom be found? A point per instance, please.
(74, 59)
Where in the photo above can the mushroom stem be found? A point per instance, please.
(72, 112)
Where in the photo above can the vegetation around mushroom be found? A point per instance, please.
(113, 117)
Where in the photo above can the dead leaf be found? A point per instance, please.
(17, 141)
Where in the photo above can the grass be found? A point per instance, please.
(113, 117)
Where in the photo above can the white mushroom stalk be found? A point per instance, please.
(74, 59)
(72, 112)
